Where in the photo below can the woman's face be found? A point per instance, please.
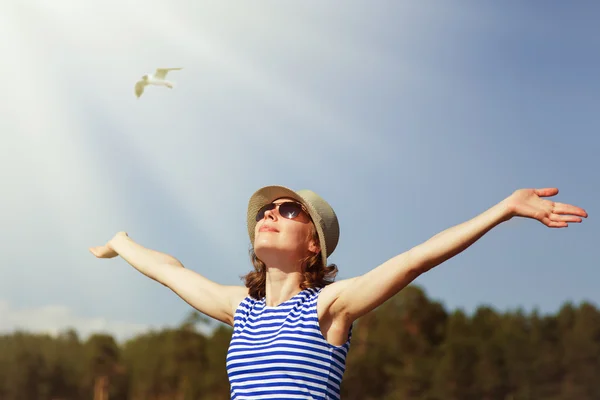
(279, 238)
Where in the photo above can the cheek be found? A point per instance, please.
(302, 238)
(295, 235)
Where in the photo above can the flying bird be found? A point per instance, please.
(157, 79)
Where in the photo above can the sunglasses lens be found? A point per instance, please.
(289, 210)
(261, 213)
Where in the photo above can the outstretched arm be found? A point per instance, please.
(362, 294)
(210, 298)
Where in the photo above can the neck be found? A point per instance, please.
(281, 286)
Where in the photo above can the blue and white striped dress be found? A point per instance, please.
(280, 353)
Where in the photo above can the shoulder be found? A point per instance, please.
(236, 295)
(329, 295)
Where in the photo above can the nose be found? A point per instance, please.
(270, 214)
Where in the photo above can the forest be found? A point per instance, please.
(411, 347)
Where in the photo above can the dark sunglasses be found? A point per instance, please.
(287, 209)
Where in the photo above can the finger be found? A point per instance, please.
(95, 250)
(564, 218)
(554, 224)
(562, 208)
(545, 192)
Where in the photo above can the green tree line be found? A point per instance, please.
(409, 348)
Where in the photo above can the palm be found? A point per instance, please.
(529, 203)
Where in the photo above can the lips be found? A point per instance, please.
(267, 228)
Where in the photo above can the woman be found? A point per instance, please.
(292, 323)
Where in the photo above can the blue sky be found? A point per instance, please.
(407, 118)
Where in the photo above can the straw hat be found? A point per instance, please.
(320, 211)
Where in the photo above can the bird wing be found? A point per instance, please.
(161, 73)
(139, 88)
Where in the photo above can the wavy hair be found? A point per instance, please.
(316, 275)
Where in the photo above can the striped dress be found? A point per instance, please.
(280, 353)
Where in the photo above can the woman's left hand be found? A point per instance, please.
(529, 203)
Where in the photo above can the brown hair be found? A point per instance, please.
(316, 275)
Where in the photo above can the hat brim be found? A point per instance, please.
(267, 195)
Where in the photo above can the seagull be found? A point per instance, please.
(157, 79)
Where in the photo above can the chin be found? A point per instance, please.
(265, 242)
(263, 250)
(266, 251)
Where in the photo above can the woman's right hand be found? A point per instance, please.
(106, 251)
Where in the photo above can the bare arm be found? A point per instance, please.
(210, 298)
(364, 293)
